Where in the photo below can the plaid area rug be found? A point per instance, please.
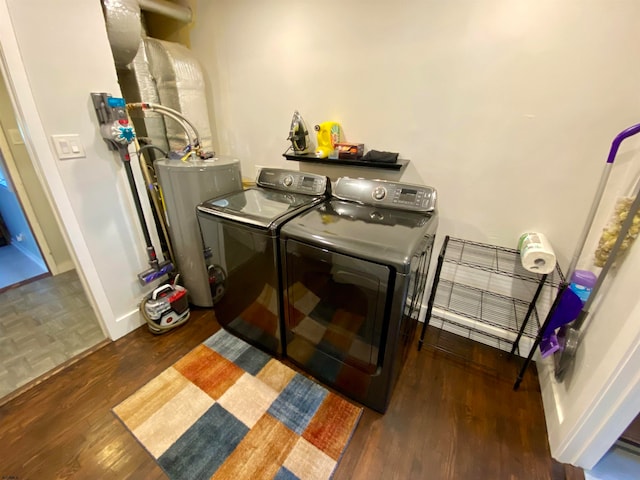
(229, 411)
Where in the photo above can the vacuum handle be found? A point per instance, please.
(124, 156)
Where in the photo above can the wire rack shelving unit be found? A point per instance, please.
(483, 293)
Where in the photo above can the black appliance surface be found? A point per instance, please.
(365, 231)
(240, 234)
(256, 206)
(353, 279)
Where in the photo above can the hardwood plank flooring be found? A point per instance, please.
(447, 420)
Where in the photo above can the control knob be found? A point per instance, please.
(379, 193)
(288, 181)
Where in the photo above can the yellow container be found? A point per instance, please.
(328, 134)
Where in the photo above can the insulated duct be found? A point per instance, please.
(124, 24)
(180, 84)
(138, 86)
(125, 31)
(167, 9)
(157, 72)
(122, 18)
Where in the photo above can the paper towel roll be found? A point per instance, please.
(536, 253)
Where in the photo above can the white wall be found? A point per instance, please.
(55, 54)
(507, 107)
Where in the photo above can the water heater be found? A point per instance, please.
(185, 185)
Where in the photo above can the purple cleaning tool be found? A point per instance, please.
(549, 345)
(567, 310)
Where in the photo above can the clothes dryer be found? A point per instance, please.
(354, 272)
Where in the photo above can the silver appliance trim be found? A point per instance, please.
(293, 181)
(235, 218)
(220, 207)
(387, 194)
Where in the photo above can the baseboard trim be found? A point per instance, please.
(126, 324)
(63, 267)
(24, 282)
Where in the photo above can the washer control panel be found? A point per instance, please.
(386, 194)
(379, 193)
(293, 181)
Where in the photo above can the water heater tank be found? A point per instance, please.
(185, 185)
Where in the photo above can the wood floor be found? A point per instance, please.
(447, 420)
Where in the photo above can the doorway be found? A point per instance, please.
(46, 319)
(20, 256)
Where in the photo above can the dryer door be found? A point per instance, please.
(335, 315)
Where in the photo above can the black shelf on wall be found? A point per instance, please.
(311, 158)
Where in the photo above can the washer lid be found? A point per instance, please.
(382, 235)
(257, 206)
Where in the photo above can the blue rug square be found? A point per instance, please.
(252, 360)
(284, 474)
(227, 345)
(297, 403)
(200, 451)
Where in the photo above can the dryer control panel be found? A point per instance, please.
(293, 181)
(386, 194)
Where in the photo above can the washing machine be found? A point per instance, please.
(354, 272)
(240, 234)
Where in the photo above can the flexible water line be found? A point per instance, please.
(192, 135)
(161, 108)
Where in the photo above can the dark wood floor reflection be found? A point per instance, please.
(447, 420)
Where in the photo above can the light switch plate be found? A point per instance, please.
(68, 146)
(16, 138)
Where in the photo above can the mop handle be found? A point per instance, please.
(615, 145)
(618, 140)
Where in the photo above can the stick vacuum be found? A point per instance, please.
(166, 307)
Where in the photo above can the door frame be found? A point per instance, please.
(36, 142)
